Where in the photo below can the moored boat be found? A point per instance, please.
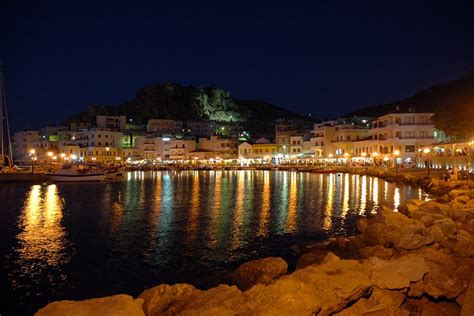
(77, 173)
(114, 174)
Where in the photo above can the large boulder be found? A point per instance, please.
(433, 207)
(112, 305)
(376, 251)
(447, 225)
(287, 296)
(446, 276)
(458, 192)
(464, 246)
(398, 273)
(165, 298)
(468, 303)
(380, 302)
(261, 271)
(337, 283)
(310, 258)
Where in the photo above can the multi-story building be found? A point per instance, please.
(225, 147)
(336, 138)
(283, 134)
(401, 133)
(23, 143)
(77, 126)
(164, 126)
(181, 149)
(99, 154)
(344, 137)
(114, 123)
(257, 150)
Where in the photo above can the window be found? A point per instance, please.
(409, 120)
(409, 134)
(424, 134)
(348, 137)
(398, 134)
(410, 148)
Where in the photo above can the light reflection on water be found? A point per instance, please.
(72, 241)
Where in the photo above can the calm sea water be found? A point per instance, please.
(76, 241)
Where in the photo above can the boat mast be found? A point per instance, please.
(2, 154)
(4, 117)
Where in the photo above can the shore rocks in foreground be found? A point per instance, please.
(120, 305)
(262, 271)
(418, 261)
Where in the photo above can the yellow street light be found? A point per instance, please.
(364, 154)
(63, 155)
(426, 150)
(50, 154)
(375, 154)
(396, 152)
(32, 151)
(330, 155)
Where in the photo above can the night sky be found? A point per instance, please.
(319, 57)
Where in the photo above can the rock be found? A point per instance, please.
(398, 273)
(228, 299)
(409, 207)
(447, 226)
(433, 207)
(381, 302)
(112, 305)
(468, 300)
(464, 246)
(376, 251)
(410, 242)
(463, 199)
(164, 297)
(469, 226)
(264, 271)
(436, 233)
(287, 296)
(416, 289)
(446, 275)
(440, 309)
(362, 224)
(310, 258)
(330, 258)
(337, 284)
(455, 193)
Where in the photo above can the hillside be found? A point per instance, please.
(174, 101)
(452, 102)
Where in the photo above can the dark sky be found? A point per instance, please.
(319, 57)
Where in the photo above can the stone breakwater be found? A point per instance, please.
(417, 261)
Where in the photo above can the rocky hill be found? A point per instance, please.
(452, 102)
(175, 101)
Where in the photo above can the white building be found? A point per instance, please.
(398, 133)
(22, 143)
(225, 147)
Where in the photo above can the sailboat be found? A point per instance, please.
(7, 170)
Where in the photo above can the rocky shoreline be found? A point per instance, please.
(417, 261)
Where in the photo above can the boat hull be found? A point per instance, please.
(76, 178)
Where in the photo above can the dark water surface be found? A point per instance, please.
(76, 241)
